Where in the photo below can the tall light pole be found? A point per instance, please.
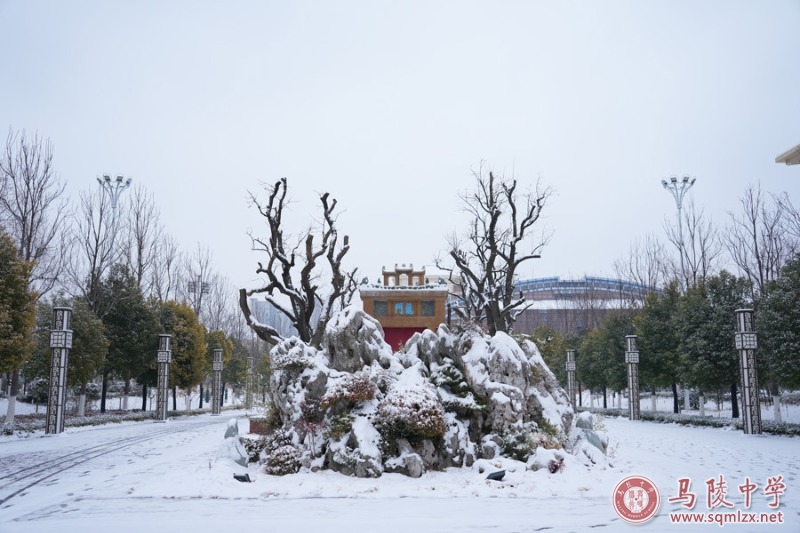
(678, 189)
(60, 345)
(632, 359)
(114, 189)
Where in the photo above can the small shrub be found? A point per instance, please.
(339, 427)
(282, 461)
(412, 413)
(350, 390)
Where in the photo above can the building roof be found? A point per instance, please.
(790, 157)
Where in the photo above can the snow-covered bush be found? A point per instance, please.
(282, 461)
(521, 441)
(411, 413)
(281, 456)
(349, 391)
(292, 354)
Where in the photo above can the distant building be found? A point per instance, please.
(406, 303)
(571, 306)
(790, 157)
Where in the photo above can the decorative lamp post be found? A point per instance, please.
(114, 188)
(164, 359)
(747, 343)
(678, 189)
(632, 358)
(216, 391)
(248, 398)
(60, 344)
(571, 376)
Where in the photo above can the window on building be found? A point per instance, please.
(380, 308)
(404, 308)
(428, 308)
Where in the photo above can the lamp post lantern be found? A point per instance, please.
(747, 343)
(632, 358)
(164, 359)
(216, 390)
(571, 376)
(60, 345)
(678, 189)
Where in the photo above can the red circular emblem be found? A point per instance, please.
(636, 499)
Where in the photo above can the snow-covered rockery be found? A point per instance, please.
(443, 401)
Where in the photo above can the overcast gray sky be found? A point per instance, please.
(389, 106)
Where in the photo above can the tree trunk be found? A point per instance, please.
(776, 400)
(653, 400)
(144, 397)
(734, 401)
(12, 397)
(82, 401)
(580, 394)
(103, 392)
(174, 398)
(605, 399)
(201, 393)
(676, 405)
(126, 393)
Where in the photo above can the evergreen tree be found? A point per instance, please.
(188, 346)
(132, 329)
(706, 324)
(17, 311)
(658, 341)
(778, 326)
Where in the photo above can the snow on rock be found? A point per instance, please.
(353, 340)
(232, 448)
(447, 399)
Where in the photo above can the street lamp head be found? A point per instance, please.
(107, 178)
(673, 179)
(664, 183)
(128, 181)
(119, 179)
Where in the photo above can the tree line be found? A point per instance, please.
(123, 274)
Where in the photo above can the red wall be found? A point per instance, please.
(397, 337)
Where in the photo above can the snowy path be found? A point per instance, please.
(149, 476)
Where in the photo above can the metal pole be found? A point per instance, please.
(164, 359)
(678, 189)
(571, 376)
(632, 358)
(216, 391)
(114, 189)
(60, 344)
(747, 343)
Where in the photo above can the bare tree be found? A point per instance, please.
(143, 236)
(756, 238)
(701, 247)
(647, 265)
(497, 243)
(89, 249)
(30, 207)
(197, 276)
(165, 274)
(296, 272)
(31, 212)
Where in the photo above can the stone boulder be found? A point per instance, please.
(353, 340)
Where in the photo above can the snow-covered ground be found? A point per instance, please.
(157, 477)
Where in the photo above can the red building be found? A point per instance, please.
(405, 304)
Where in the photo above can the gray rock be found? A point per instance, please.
(584, 420)
(233, 449)
(590, 436)
(353, 340)
(233, 428)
